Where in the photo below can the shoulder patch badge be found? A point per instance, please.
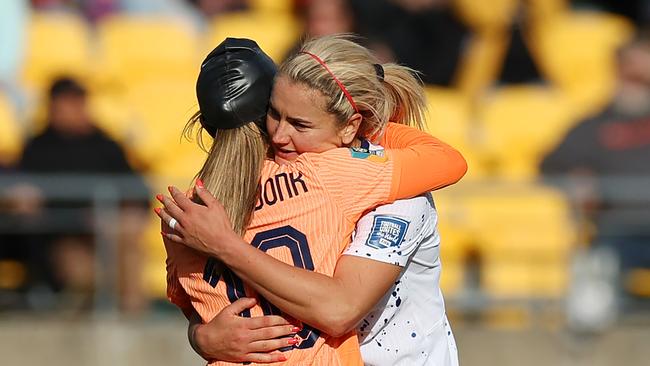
(375, 156)
(387, 232)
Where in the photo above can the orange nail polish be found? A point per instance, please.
(199, 183)
(159, 197)
(292, 341)
(283, 358)
(157, 210)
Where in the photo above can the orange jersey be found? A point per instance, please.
(305, 216)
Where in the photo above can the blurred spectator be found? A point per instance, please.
(71, 146)
(610, 154)
(155, 7)
(211, 8)
(636, 10)
(325, 17)
(93, 9)
(423, 34)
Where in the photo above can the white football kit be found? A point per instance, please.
(408, 326)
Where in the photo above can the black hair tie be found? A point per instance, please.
(379, 70)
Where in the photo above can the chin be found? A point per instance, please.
(285, 158)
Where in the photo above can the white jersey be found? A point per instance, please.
(408, 325)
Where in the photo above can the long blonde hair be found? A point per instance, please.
(397, 97)
(232, 170)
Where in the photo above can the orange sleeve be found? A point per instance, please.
(175, 292)
(177, 295)
(422, 162)
(417, 163)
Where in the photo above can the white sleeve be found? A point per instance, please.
(392, 233)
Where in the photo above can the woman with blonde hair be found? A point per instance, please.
(325, 97)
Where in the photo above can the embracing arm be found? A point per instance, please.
(422, 162)
(332, 304)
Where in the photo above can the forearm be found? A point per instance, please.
(412, 150)
(316, 299)
(195, 323)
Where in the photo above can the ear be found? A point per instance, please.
(349, 131)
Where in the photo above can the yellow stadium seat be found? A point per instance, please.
(11, 138)
(455, 239)
(449, 119)
(576, 51)
(276, 33)
(113, 114)
(13, 274)
(525, 235)
(160, 110)
(154, 272)
(271, 5)
(137, 49)
(546, 9)
(449, 116)
(496, 14)
(486, 14)
(520, 125)
(57, 44)
(524, 278)
(481, 62)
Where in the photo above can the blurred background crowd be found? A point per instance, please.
(549, 101)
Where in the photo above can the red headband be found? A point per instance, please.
(340, 84)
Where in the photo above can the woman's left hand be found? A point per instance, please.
(205, 228)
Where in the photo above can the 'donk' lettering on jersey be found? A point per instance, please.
(279, 188)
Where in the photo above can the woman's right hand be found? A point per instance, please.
(230, 337)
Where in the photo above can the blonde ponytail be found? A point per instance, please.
(404, 87)
(398, 96)
(232, 170)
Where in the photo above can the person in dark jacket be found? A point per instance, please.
(73, 164)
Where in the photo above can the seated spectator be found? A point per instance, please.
(93, 10)
(324, 17)
(73, 152)
(636, 10)
(425, 35)
(610, 154)
(211, 8)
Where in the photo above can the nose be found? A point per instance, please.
(281, 135)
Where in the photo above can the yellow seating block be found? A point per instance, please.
(521, 124)
(57, 44)
(576, 51)
(11, 138)
(276, 33)
(136, 49)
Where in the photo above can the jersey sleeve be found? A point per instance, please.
(359, 180)
(392, 233)
(175, 292)
(422, 162)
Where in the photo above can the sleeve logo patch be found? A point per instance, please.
(387, 232)
(374, 156)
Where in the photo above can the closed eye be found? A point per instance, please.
(273, 113)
